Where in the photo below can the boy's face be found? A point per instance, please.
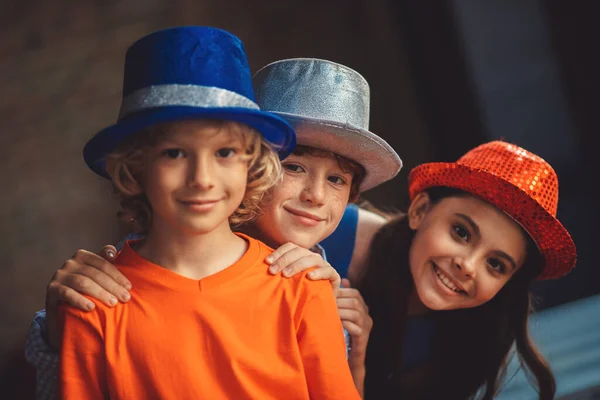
(195, 177)
(309, 203)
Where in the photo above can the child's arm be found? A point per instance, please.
(85, 273)
(45, 359)
(322, 346)
(368, 224)
(82, 367)
(355, 317)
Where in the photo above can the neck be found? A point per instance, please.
(194, 256)
(252, 231)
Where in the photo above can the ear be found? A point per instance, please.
(124, 181)
(418, 210)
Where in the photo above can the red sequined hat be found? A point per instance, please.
(517, 182)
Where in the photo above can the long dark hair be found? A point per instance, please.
(471, 346)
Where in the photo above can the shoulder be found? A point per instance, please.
(369, 223)
(302, 289)
(310, 289)
(73, 318)
(298, 285)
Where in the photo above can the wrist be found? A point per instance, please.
(356, 363)
(358, 376)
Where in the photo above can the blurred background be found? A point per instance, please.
(445, 76)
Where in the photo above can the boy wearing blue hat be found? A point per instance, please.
(336, 159)
(189, 154)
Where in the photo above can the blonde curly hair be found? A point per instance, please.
(125, 165)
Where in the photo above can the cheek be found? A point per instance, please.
(162, 181)
(337, 208)
(423, 246)
(488, 288)
(289, 189)
(337, 200)
(236, 178)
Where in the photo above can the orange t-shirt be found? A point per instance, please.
(238, 334)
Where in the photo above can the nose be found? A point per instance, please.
(314, 191)
(466, 265)
(201, 172)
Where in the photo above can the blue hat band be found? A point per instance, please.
(183, 95)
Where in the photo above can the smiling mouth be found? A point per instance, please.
(446, 281)
(303, 214)
(199, 205)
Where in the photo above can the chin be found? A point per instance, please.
(301, 241)
(432, 301)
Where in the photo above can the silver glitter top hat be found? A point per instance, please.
(328, 106)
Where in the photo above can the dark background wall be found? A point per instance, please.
(445, 76)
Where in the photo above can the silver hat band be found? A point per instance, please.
(183, 95)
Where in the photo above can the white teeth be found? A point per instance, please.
(447, 282)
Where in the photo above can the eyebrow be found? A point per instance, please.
(475, 229)
(471, 223)
(508, 258)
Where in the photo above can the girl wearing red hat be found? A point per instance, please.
(448, 283)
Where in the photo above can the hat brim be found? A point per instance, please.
(375, 155)
(551, 237)
(275, 130)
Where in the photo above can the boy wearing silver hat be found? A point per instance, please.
(336, 159)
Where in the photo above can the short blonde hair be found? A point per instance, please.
(125, 165)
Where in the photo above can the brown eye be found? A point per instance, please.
(225, 152)
(336, 179)
(497, 265)
(461, 232)
(173, 153)
(293, 167)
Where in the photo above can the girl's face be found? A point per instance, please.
(464, 251)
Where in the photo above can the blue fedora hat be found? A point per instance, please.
(187, 73)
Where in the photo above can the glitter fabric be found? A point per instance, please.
(182, 95)
(182, 73)
(517, 182)
(328, 105)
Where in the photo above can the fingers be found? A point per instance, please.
(88, 259)
(352, 303)
(108, 252)
(359, 330)
(295, 260)
(348, 293)
(90, 274)
(94, 284)
(353, 329)
(345, 283)
(357, 323)
(354, 312)
(281, 250)
(68, 295)
(97, 284)
(326, 273)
